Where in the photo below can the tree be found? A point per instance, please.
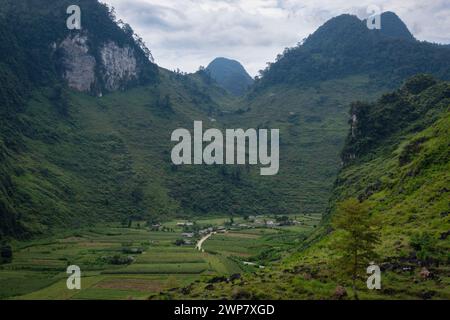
(6, 253)
(60, 99)
(179, 242)
(137, 195)
(358, 237)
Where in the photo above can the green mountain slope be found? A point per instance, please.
(305, 94)
(404, 177)
(70, 158)
(345, 46)
(109, 159)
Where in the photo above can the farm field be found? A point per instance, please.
(138, 262)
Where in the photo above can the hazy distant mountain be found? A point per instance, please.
(230, 74)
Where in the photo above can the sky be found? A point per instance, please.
(186, 34)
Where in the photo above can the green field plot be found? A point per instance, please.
(160, 268)
(135, 262)
(233, 245)
(16, 283)
(187, 256)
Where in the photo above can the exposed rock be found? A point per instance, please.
(186, 290)
(119, 66)
(78, 64)
(340, 293)
(218, 279)
(427, 294)
(241, 294)
(235, 276)
(307, 276)
(354, 123)
(425, 273)
(445, 235)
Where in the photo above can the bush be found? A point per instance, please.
(419, 83)
(425, 246)
(119, 260)
(6, 253)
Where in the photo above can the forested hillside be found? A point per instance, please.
(403, 178)
(306, 92)
(102, 154)
(78, 147)
(86, 118)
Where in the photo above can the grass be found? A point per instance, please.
(38, 267)
(408, 198)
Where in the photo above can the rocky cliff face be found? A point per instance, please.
(112, 69)
(119, 66)
(78, 63)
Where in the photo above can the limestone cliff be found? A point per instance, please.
(78, 63)
(107, 68)
(119, 66)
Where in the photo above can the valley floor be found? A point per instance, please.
(140, 261)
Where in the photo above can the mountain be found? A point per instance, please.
(87, 118)
(392, 26)
(104, 56)
(344, 46)
(396, 158)
(85, 126)
(54, 128)
(306, 92)
(231, 75)
(399, 166)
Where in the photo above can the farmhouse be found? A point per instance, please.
(187, 234)
(185, 224)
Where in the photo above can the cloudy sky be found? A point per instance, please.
(185, 34)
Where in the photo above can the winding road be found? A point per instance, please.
(200, 242)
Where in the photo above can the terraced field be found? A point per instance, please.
(135, 262)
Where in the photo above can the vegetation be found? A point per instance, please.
(69, 160)
(121, 263)
(344, 46)
(6, 253)
(358, 240)
(408, 200)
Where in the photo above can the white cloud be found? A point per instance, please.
(189, 33)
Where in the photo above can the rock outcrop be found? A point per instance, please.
(107, 68)
(78, 64)
(119, 66)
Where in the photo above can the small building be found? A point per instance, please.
(270, 223)
(187, 234)
(185, 224)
